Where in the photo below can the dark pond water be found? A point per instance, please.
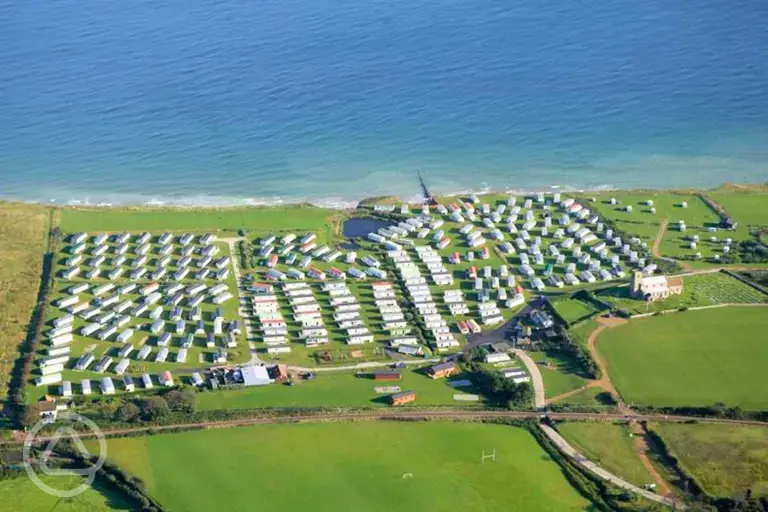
(361, 226)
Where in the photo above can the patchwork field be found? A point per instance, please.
(23, 235)
(725, 460)
(336, 389)
(348, 466)
(695, 358)
(22, 490)
(610, 446)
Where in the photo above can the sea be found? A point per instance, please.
(224, 102)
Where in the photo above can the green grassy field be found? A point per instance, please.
(23, 240)
(724, 459)
(580, 333)
(695, 358)
(275, 218)
(588, 398)
(748, 207)
(610, 446)
(335, 389)
(561, 374)
(573, 309)
(348, 466)
(698, 290)
(22, 494)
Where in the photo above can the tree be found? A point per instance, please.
(30, 415)
(181, 400)
(128, 412)
(154, 408)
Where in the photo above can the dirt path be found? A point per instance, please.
(641, 445)
(655, 251)
(604, 382)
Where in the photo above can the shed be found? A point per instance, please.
(402, 398)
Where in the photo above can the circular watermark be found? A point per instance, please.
(65, 431)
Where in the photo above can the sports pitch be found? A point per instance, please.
(349, 466)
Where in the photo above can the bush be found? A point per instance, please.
(154, 408)
(128, 412)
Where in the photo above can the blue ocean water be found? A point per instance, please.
(227, 101)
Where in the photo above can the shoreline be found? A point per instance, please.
(341, 204)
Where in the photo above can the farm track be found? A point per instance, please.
(641, 445)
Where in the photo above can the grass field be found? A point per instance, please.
(23, 234)
(698, 290)
(22, 494)
(335, 389)
(573, 309)
(275, 218)
(348, 466)
(610, 446)
(561, 374)
(580, 333)
(696, 358)
(587, 397)
(724, 459)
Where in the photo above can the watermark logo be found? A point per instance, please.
(66, 430)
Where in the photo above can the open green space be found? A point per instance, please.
(275, 218)
(695, 358)
(21, 493)
(558, 371)
(572, 309)
(336, 389)
(23, 240)
(610, 446)
(698, 290)
(589, 397)
(725, 460)
(371, 466)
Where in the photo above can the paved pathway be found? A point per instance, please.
(539, 399)
(569, 451)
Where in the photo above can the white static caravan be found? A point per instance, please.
(107, 386)
(62, 339)
(60, 351)
(146, 380)
(144, 353)
(85, 386)
(52, 369)
(222, 298)
(45, 380)
(122, 366)
(162, 355)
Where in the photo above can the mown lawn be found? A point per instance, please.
(610, 446)
(695, 358)
(275, 218)
(370, 466)
(573, 309)
(22, 494)
(725, 460)
(335, 389)
(23, 241)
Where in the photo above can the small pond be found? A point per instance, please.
(359, 227)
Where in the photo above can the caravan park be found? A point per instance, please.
(553, 316)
